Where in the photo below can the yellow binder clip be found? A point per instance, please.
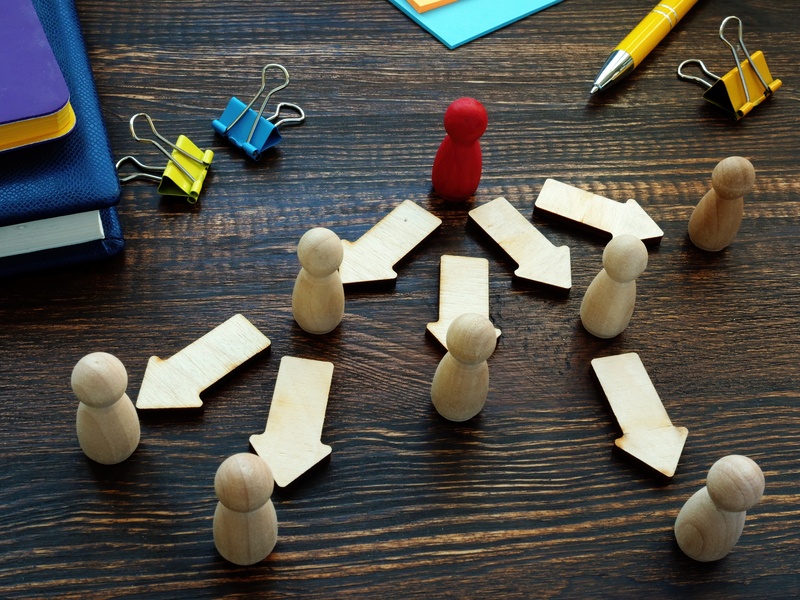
(741, 89)
(187, 165)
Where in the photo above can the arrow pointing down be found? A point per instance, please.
(648, 433)
(291, 441)
(463, 288)
(178, 381)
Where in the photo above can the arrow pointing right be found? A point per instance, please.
(648, 434)
(538, 259)
(596, 212)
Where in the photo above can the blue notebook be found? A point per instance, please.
(73, 175)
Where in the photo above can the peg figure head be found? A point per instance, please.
(465, 120)
(735, 483)
(733, 177)
(243, 482)
(625, 258)
(320, 252)
(99, 379)
(471, 338)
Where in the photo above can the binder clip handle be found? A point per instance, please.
(145, 171)
(258, 94)
(163, 150)
(736, 56)
(694, 78)
(287, 120)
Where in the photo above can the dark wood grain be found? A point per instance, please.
(528, 500)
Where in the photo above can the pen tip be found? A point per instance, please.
(594, 90)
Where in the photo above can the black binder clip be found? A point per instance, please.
(250, 130)
(736, 95)
(187, 165)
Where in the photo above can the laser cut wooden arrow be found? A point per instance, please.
(372, 256)
(648, 433)
(565, 202)
(177, 381)
(463, 288)
(538, 259)
(291, 442)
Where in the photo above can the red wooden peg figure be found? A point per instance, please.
(457, 166)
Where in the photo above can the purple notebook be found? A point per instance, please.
(34, 98)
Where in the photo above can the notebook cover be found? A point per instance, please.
(31, 83)
(72, 174)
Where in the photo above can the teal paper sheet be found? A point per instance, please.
(465, 20)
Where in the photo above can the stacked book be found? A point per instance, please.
(58, 182)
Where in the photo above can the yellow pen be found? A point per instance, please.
(638, 43)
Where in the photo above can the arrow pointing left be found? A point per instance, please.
(373, 256)
(177, 381)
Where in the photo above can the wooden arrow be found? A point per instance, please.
(372, 256)
(291, 442)
(595, 212)
(463, 288)
(538, 259)
(178, 381)
(648, 434)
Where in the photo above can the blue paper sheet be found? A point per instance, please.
(465, 20)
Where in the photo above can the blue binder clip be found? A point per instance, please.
(250, 130)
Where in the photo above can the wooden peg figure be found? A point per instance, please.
(458, 163)
(318, 296)
(107, 423)
(245, 524)
(716, 219)
(461, 382)
(710, 523)
(608, 304)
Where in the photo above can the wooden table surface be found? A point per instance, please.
(529, 499)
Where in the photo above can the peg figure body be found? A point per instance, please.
(716, 219)
(458, 163)
(245, 523)
(608, 304)
(710, 523)
(107, 424)
(318, 295)
(461, 382)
